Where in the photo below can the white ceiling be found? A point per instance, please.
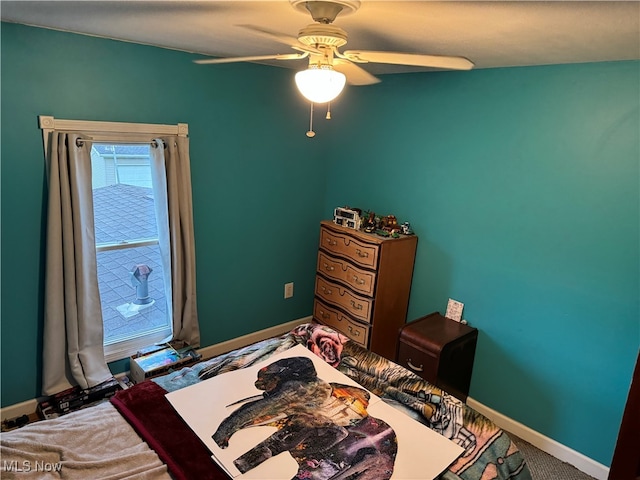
(491, 34)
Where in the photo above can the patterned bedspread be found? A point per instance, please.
(489, 453)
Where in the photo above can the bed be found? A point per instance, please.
(138, 434)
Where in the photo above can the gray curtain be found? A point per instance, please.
(73, 350)
(171, 176)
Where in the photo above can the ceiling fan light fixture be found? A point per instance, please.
(320, 83)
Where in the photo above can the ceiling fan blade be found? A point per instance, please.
(355, 74)
(254, 58)
(414, 59)
(281, 38)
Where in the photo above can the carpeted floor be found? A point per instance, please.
(546, 467)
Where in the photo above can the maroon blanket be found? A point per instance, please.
(151, 415)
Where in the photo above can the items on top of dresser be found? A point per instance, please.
(347, 217)
(385, 226)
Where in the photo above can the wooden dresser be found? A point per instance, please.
(363, 283)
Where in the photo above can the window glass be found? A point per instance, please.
(130, 273)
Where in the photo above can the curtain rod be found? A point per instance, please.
(80, 142)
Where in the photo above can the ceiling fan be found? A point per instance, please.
(329, 68)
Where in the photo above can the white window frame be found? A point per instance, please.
(114, 132)
(110, 132)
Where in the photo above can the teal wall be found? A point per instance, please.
(256, 178)
(523, 186)
(521, 183)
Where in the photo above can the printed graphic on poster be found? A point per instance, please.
(295, 417)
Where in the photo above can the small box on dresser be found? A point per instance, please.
(363, 283)
(441, 351)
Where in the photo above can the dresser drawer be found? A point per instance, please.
(339, 321)
(336, 269)
(357, 306)
(363, 254)
(419, 362)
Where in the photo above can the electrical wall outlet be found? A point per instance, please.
(288, 290)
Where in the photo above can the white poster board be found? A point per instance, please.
(421, 453)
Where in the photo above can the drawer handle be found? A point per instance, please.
(324, 315)
(326, 290)
(328, 267)
(357, 307)
(355, 333)
(358, 280)
(362, 254)
(333, 243)
(413, 367)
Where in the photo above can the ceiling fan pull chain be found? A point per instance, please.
(311, 133)
(328, 117)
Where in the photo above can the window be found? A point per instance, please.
(131, 278)
(133, 263)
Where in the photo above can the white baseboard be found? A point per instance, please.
(544, 443)
(17, 410)
(29, 406)
(224, 347)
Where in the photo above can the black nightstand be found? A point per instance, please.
(441, 351)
